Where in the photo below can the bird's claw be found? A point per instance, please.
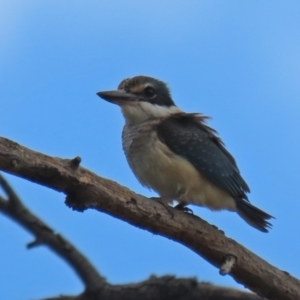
(184, 208)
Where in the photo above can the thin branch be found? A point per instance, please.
(8, 190)
(166, 288)
(44, 235)
(86, 190)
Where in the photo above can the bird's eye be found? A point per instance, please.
(149, 92)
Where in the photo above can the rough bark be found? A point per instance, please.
(85, 189)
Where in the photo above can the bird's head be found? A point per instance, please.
(142, 98)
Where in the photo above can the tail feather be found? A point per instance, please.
(253, 215)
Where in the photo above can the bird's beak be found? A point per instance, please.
(119, 97)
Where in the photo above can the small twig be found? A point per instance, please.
(75, 162)
(34, 243)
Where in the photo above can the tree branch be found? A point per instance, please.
(86, 190)
(167, 287)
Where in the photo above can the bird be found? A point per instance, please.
(177, 154)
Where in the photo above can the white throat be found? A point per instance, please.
(142, 111)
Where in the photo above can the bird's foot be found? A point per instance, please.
(183, 207)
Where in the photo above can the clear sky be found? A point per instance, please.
(237, 61)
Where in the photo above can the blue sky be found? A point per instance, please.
(237, 61)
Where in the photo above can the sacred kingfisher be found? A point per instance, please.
(177, 154)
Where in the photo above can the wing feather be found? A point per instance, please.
(189, 136)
